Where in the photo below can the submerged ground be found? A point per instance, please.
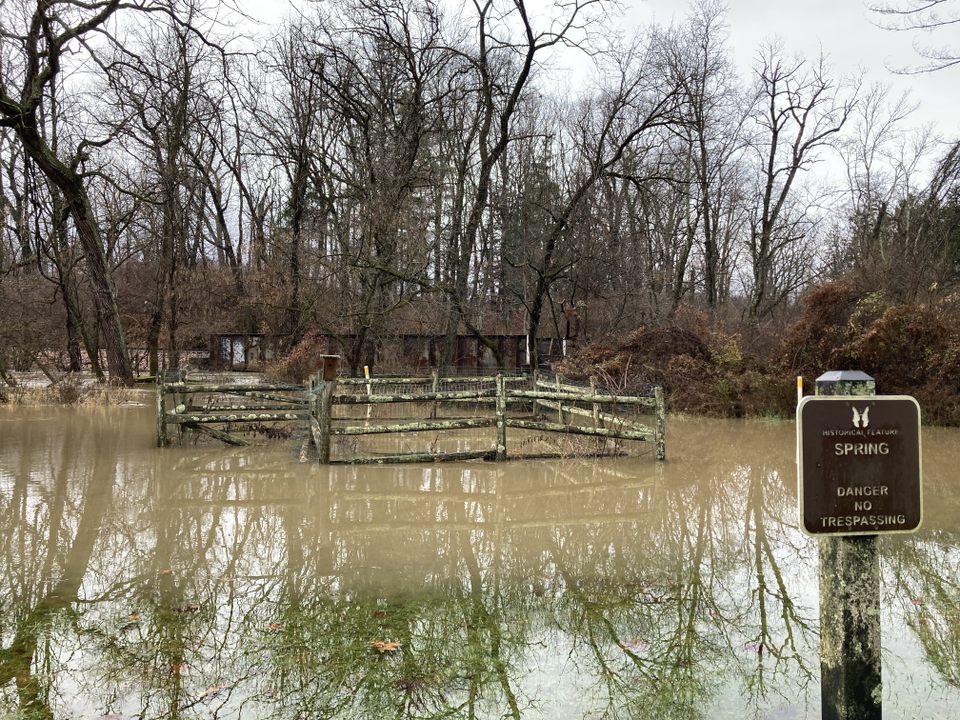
(211, 582)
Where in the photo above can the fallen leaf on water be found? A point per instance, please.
(384, 647)
(274, 626)
(166, 571)
(916, 601)
(177, 668)
(210, 691)
(134, 617)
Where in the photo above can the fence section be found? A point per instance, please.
(403, 407)
(222, 410)
(418, 419)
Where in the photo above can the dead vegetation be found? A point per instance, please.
(909, 349)
(70, 389)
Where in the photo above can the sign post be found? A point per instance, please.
(859, 472)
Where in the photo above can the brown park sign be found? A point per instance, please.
(859, 465)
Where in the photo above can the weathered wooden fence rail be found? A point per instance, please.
(500, 402)
(565, 398)
(265, 403)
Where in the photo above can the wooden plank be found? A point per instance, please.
(324, 414)
(239, 417)
(218, 434)
(570, 455)
(585, 398)
(347, 399)
(419, 458)
(536, 384)
(208, 408)
(162, 439)
(559, 386)
(273, 397)
(501, 418)
(238, 389)
(473, 380)
(660, 423)
(424, 426)
(315, 432)
(595, 408)
(606, 417)
(561, 418)
(577, 430)
(385, 381)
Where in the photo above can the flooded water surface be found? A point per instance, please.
(210, 582)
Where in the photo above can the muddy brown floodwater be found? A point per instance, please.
(210, 582)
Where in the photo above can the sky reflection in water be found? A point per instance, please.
(208, 582)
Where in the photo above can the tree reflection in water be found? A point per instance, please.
(212, 583)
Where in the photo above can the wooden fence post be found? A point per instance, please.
(596, 407)
(325, 420)
(660, 423)
(501, 418)
(435, 385)
(536, 386)
(366, 374)
(850, 668)
(560, 418)
(162, 439)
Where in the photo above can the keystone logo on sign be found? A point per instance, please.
(859, 477)
(861, 419)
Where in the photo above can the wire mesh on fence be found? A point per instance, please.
(427, 399)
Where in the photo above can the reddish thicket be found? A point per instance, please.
(908, 349)
(701, 371)
(302, 360)
(819, 337)
(915, 350)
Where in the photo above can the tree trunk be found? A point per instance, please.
(70, 183)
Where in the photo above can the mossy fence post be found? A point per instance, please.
(501, 418)
(595, 408)
(435, 387)
(560, 417)
(323, 411)
(660, 423)
(162, 439)
(536, 386)
(850, 669)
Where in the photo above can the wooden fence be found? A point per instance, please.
(514, 407)
(354, 408)
(225, 405)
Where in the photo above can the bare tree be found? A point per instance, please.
(799, 111)
(156, 79)
(508, 48)
(715, 115)
(625, 117)
(926, 17)
(36, 45)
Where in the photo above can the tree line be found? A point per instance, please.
(373, 167)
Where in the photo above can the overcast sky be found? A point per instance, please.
(844, 31)
(841, 28)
